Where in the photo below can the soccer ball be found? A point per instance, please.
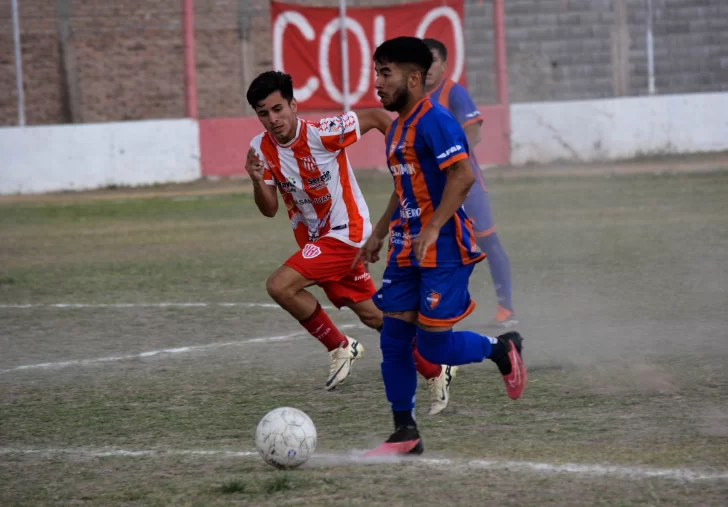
(285, 438)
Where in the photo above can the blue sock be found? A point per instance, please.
(454, 347)
(500, 268)
(398, 364)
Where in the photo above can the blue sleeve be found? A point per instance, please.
(462, 106)
(445, 137)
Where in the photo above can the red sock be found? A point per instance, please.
(424, 367)
(320, 326)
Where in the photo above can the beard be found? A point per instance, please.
(399, 100)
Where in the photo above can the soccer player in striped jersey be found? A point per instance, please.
(307, 162)
(457, 100)
(432, 248)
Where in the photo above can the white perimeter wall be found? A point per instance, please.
(76, 157)
(614, 129)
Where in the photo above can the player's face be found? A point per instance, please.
(437, 71)
(278, 116)
(392, 85)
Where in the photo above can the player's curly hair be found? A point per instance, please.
(267, 83)
(404, 51)
(437, 45)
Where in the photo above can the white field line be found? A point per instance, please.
(152, 353)
(144, 305)
(356, 457)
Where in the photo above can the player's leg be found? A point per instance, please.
(398, 298)
(477, 207)
(445, 300)
(356, 291)
(439, 377)
(287, 287)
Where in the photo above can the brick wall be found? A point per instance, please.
(128, 54)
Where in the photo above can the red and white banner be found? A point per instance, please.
(306, 44)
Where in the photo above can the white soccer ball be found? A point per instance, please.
(285, 437)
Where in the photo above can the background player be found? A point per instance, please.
(457, 100)
(432, 248)
(308, 163)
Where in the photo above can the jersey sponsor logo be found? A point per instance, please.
(401, 238)
(314, 225)
(450, 151)
(406, 212)
(310, 251)
(289, 185)
(433, 299)
(302, 202)
(320, 181)
(400, 169)
(322, 199)
(308, 163)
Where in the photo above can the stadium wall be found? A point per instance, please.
(224, 143)
(80, 157)
(66, 157)
(618, 129)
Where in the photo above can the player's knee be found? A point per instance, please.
(434, 346)
(372, 320)
(396, 339)
(277, 288)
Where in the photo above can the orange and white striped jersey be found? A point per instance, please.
(316, 180)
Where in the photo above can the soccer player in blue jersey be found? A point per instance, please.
(456, 99)
(432, 249)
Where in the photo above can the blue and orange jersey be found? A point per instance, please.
(456, 99)
(419, 147)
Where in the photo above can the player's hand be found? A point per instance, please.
(254, 166)
(427, 237)
(369, 252)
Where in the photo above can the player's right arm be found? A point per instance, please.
(370, 251)
(373, 119)
(264, 189)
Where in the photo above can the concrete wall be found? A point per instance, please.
(615, 129)
(46, 159)
(65, 157)
(224, 143)
(123, 59)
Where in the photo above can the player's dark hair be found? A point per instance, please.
(438, 46)
(267, 83)
(404, 51)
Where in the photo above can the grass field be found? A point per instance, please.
(147, 390)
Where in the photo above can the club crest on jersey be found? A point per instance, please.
(310, 251)
(309, 163)
(433, 299)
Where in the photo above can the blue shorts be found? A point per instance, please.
(477, 204)
(440, 295)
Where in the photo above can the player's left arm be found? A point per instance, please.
(466, 113)
(460, 178)
(373, 119)
(472, 132)
(445, 138)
